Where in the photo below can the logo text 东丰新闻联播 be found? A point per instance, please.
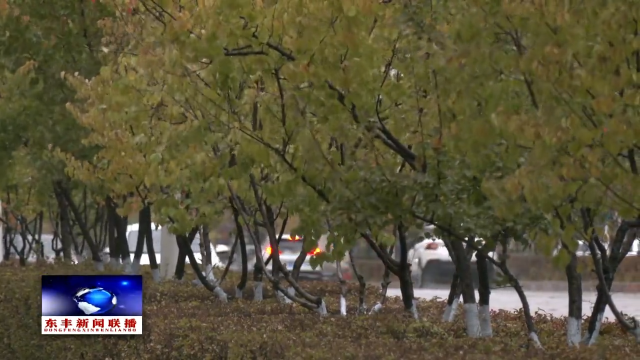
(92, 304)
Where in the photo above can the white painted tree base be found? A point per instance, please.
(238, 293)
(376, 308)
(126, 265)
(343, 306)
(222, 296)
(574, 331)
(591, 339)
(484, 315)
(536, 341)
(414, 309)
(450, 311)
(446, 315)
(322, 309)
(280, 297)
(291, 291)
(209, 273)
(155, 274)
(472, 320)
(114, 263)
(257, 288)
(135, 266)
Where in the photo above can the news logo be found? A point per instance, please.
(92, 304)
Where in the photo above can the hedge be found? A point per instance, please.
(183, 321)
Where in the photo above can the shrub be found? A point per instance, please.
(183, 321)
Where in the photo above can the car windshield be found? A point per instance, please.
(132, 239)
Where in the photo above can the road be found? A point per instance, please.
(555, 303)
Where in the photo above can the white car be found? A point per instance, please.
(431, 263)
(289, 249)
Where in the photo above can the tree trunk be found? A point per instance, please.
(362, 308)
(123, 242)
(257, 281)
(22, 253)
(144, 216)
(484, 294)
(406, 283)
(526, 309)
(65, 226)
(243, 257)
(453, 300)
(7, 239)
(232, 254)
(119, 223)
(574, 320)
(384, 286)
(148, 238)
(95, 252)
(609, 267)
(258, 267)
(114, 258)
(243, 254)
(182, 257)
(463, 269)
(205, 250)
(37, 229)
(185, 247)
(182, 252)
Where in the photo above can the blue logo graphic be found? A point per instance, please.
(91, 295)
(95, 301)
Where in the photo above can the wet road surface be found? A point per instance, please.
(555, 303)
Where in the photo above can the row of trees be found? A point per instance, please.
(495, 121)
